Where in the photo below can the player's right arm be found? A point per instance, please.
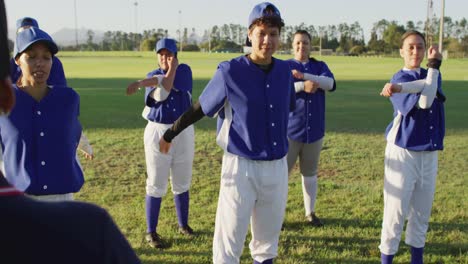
(133, 87)
(212, 98)
(191, 116)
(308, 86)
(427, 87)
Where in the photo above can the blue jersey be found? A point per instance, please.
(178, 101)
(307, 122)
(414, 128)
(252, 107)
(56, 76)
(39, 141)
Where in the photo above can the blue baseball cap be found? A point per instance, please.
(26, 21)
(166, 43)
(265, 9)
(30, 36)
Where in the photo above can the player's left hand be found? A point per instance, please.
(389, 89)
(164, 146)
(173, 62)
(133, 87)
(310, 86)
(433, 52)
(297, 74)
(88, 156)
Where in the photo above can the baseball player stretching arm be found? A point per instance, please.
(413, 139)
(254, 177)
(168, 95)
(306, 127)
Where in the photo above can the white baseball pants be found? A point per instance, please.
(409, 187)
(254, 191)
(177, 164)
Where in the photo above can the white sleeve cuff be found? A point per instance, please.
(428, 94)
(84, 145)
(325, 83)
(299, 86)
(413, 87)
(159, 94)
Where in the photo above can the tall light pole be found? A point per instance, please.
(136, 25)
(441, 27)
(180, 30)
(76, 26)
(428, 28)
(320, 43)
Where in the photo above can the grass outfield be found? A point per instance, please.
(351, 168)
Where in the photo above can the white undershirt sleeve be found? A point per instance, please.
(84, 145)
(325, 83)
(159, 94)
(430, 89)
(427, 87)
(413, 87)
(299, 86)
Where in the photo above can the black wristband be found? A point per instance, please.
(434, 63)
(169, 135)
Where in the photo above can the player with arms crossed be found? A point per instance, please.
(413, 140)
(306, 127)
(168, 95)
(252, 96)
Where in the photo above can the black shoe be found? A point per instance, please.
(186, 230)
(314, 220)
(154, 240)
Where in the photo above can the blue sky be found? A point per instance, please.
(123, 15)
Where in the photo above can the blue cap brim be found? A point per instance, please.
(29, 37)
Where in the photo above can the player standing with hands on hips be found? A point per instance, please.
(413, 139)
(168, 95)
(252, 96)
(306, 127)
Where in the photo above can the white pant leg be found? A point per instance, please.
(400, 177)
(237, 197)
(157, 164)
(309, 160)
(268, 212)
(421, 202)
(182, 160)
(309, 191)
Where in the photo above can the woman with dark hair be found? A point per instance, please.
(40, 135)
(306, 128)
(414, 137)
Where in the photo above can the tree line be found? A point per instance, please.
(344, 38)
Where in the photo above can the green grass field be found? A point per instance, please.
(351, 168)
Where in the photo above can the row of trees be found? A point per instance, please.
(343, 38)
